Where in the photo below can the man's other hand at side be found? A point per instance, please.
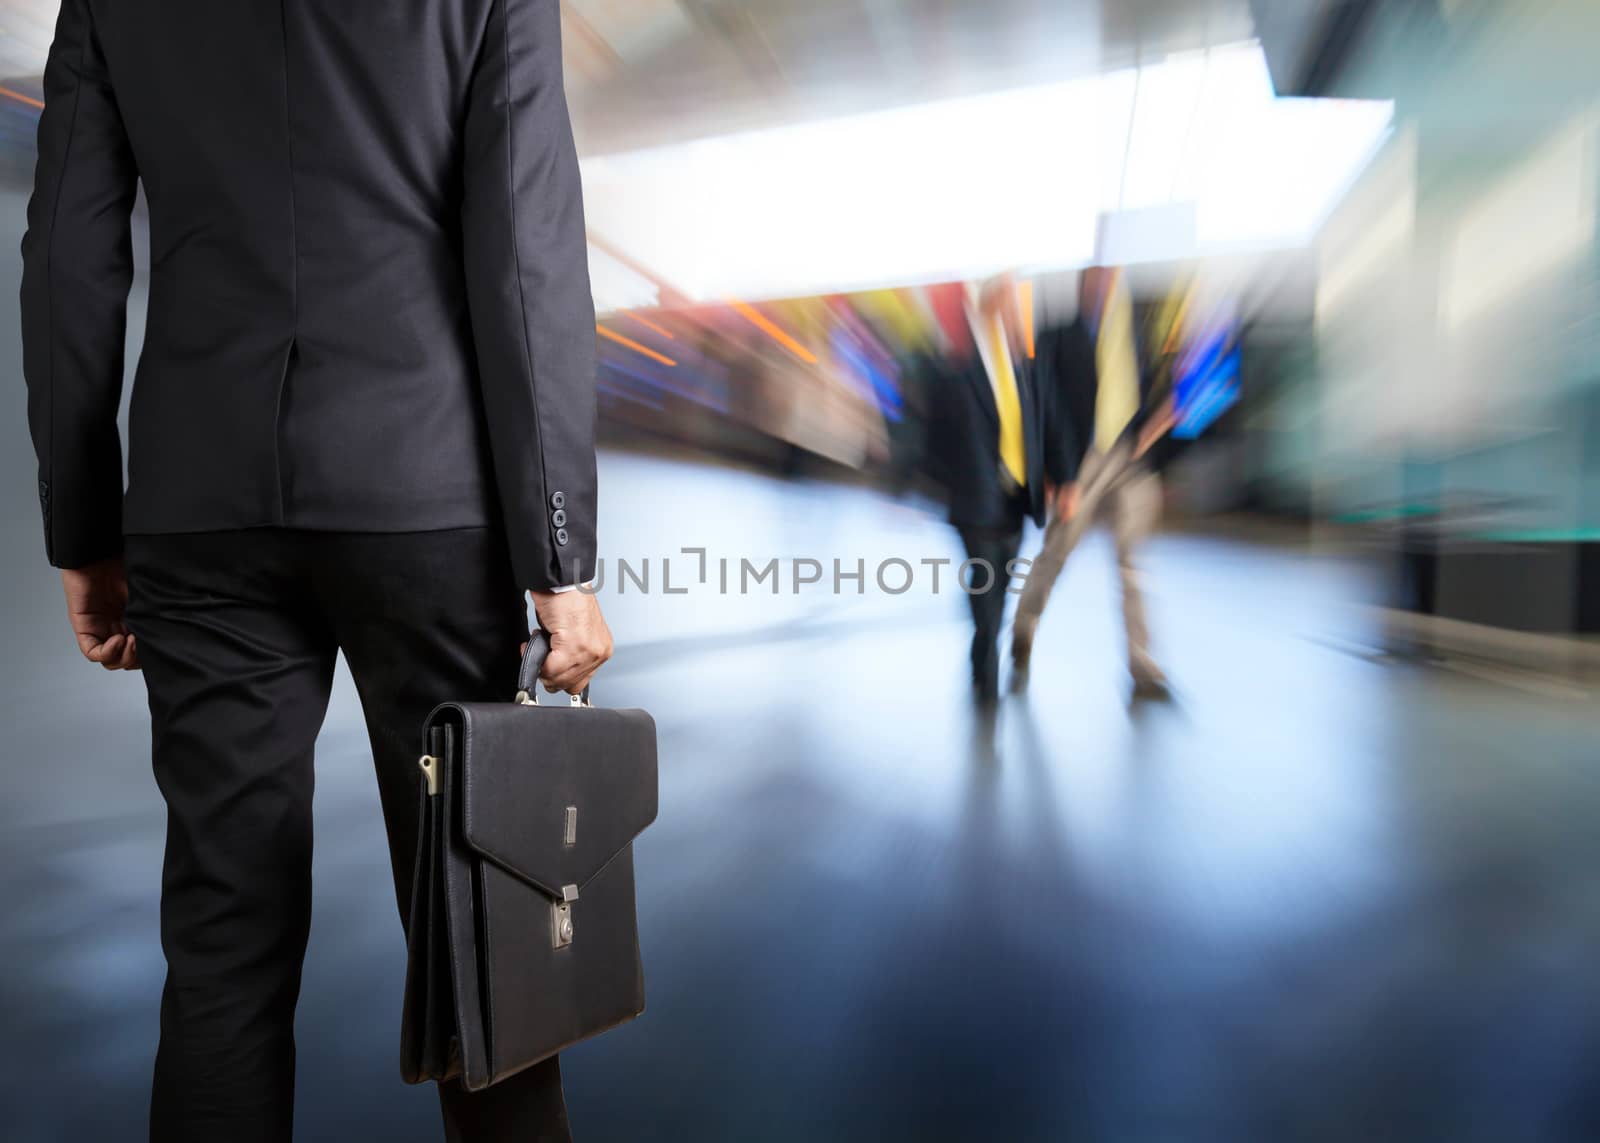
(97, 597)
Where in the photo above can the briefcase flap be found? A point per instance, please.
(553, 793)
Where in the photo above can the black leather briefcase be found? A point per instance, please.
(522, 937)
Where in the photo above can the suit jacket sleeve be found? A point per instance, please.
(77, 265)
(526, 258)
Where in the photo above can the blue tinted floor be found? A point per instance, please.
(1319, 897)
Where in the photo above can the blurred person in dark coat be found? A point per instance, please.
(986, 451)
(1106, 414)
(363, 421)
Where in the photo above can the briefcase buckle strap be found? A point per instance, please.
(430, 772)
(561, 917)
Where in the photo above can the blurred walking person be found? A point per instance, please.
(986, 450)
(363, 421)
(1106, 415)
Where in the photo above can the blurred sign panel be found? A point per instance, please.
(1145, 235)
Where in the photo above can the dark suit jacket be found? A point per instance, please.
(964, 443)
(1068, 382)
(369, 295)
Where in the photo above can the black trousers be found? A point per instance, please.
(995, 546)
(238, 633)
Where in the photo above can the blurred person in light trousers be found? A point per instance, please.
(1107, 414)
(363, 422)
(986, 452)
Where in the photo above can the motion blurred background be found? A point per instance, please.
(1340, 889)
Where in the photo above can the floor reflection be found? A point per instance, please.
(1316, 897)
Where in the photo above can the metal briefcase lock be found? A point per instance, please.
(561, 917)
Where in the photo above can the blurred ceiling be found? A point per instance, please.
(1188, 156)
(653, 73)
(647, 72)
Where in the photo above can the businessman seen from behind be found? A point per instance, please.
(362, 421)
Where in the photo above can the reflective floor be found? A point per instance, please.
(1320, 896)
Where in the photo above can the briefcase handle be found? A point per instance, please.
(532, 663)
